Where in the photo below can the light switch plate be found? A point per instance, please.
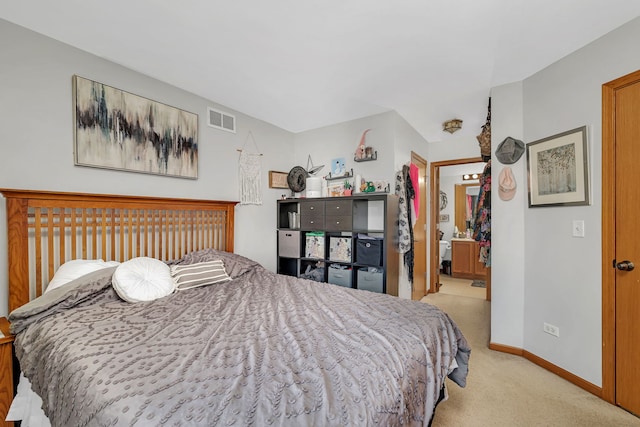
(578, 228)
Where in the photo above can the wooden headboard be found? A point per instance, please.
(46, 229)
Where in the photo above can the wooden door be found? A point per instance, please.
(420, 233)
(627, 246)
(620, 204)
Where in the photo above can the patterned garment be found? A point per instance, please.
(404, 240)
(482, 221)
(406, 194)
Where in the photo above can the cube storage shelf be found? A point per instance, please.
(347, 241)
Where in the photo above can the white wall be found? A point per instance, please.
(507, 223)
(341, 140)
(562, 274)
(454, 147)
(36, 140)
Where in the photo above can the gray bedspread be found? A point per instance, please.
(262, 349)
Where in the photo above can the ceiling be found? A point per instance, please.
(301, 65)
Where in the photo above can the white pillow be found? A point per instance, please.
(73, 269)
(142, 279)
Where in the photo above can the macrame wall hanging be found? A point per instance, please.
(250, 174)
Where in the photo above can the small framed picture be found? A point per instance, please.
(335, 189)
(278, 179)
(558, 168)
(338, 167)
(444, 218)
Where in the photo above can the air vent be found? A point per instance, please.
(221, 120)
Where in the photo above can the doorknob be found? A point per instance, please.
(625, 266)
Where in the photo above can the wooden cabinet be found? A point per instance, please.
(353, 240)
(6, 371)
(464, 260)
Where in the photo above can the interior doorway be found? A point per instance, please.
(434, 222)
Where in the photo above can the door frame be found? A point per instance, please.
(418, 159)
(434, 203)
(609, 234)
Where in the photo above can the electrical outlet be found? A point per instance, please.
(578, 228)
(551, 329)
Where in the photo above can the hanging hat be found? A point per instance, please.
(506, 184)
(509, 150)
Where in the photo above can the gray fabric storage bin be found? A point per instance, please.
(370, 279)
(339, 276)
(369, 251)
(289, 243)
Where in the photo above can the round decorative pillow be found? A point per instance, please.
(142, 279)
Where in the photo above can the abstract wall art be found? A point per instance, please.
(114, 129)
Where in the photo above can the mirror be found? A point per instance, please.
(466, 199)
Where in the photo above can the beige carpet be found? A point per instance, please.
(453, 286)
(507, 390)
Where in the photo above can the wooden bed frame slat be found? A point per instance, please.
(47, 228)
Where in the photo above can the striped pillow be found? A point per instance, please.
(189, 276)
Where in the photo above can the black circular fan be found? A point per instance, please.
(297, 179)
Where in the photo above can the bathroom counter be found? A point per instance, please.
(464, 259)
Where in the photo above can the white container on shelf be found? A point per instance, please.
(314, 186)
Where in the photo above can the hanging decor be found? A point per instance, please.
(250, 174)
(363, 152)
(311, 169)
(484, 139)
(443, 200)
(297, 179)
(558, 168)
(361, 149)
(115, 129)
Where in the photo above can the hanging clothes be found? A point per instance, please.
(406, 194)
(482, 221)
(414, 173)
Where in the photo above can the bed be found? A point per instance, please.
(254, 348)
